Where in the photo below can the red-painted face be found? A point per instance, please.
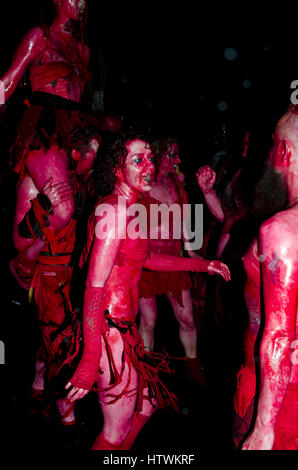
(170, 160)
(86, 161)
(73, 8)
(138, 171)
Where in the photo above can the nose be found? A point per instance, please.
(150, 166)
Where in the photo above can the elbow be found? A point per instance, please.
(277, 346)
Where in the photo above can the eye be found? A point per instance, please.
(138, 160)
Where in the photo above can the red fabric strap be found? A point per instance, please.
(87, 371)
(62, 259)
(40, 215)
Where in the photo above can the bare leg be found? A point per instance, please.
(118, 417)
(38, 382)
(66, 411)
(148, 315)
(187, 329)
(188, 336)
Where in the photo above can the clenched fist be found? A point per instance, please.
(206, 178)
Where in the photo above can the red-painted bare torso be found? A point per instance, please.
(122, 286)
(64, 57)
(252, 299)
(161, 238)
(56, 60)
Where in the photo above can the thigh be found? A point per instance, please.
(125, 405)
(148, 307)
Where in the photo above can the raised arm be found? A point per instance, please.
(279, 276)
(206, 178)
(186, 215)
(30, 46)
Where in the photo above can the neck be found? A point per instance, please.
(60, 24)
(122, 189)
(163, 179)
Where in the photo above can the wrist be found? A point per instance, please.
(264, 424)
(199, 264)
(208, 191)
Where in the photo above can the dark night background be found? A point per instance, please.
(167, 66)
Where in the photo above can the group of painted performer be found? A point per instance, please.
(53, 154)
(66, 157)
(266, 397)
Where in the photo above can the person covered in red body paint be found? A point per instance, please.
(168, 189)
(272, 261)
(230, 208)
(43, 265)
(129, 388)
(56, 57)
(57, 63)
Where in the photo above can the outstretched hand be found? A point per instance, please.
(75, 393)
(57, 193)
(217, 267)
(206, 178)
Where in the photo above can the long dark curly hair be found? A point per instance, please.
(111, 156)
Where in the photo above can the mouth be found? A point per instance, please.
(148, 178)
(175, 168)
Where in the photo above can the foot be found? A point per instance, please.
(194, 370)
(66, 411)
(38, 403)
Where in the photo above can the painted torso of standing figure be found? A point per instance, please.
(61, 68)
(252, 299)
(122, 286)
(56, 60)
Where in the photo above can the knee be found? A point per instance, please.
(186, 323)
(148, 323)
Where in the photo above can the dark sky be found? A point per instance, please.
(168, 64)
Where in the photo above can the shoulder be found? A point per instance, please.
(277, 225)
(111, 205)
(36, 34)
(34, 40)
(279, 234)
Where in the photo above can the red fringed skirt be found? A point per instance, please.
(148, 365)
